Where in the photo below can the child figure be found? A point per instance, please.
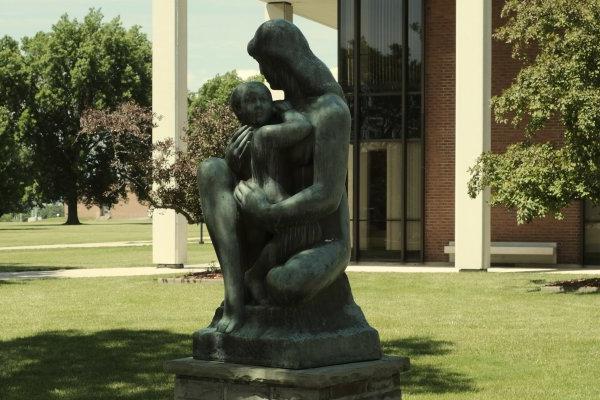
(253, 105)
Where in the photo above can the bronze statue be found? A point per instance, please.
(277, 213)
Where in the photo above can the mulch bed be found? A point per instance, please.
(589, 285)
(196, 277)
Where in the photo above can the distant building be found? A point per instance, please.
(123, 210)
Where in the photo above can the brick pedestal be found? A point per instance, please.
(212, 380)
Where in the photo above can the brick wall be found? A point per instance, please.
(568, 233)
(439, 126)
(122, 210)
(439, 144)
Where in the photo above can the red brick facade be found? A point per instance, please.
(439, 127)
(440, 22)
(122, 210)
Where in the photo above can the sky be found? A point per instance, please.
(218, 30)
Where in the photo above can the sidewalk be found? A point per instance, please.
(134, 243)
(100, 272)
(377, 268)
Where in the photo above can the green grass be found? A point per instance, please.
(469, 336)
(101, 257)
(53, 231)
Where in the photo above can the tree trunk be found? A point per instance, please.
(72, 218)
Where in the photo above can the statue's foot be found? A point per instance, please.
(256, 288)
(229, 323)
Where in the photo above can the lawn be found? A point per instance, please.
(469, 336)
(53, 231)
(102, 257)
(91, 231)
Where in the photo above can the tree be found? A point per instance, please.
(15, 183)
(557, 42)
(74, 67)
(217, 90)
(128, 131)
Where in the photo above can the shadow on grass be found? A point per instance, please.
(538, 281)
(16, 267)
(72, 365)
(424, 377)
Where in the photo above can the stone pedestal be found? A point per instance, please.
(329, 329)
(213, 380)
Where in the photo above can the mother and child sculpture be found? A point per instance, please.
(277, 213)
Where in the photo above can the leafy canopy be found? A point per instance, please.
(557, 42)
(217, 90)
(128, 129)
(76, 66)
(15, 182)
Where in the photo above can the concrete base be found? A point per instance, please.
(213, 380)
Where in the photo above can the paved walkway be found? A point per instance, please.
(143, 271)
(134, 243)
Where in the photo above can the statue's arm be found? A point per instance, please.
(294, 128)
(332, 134)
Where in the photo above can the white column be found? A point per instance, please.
(169, 100)
(279, 10)
(473, 130)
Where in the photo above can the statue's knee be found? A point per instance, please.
(287, 286)
(211, 171)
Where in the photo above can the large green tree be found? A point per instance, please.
(76, 66)
(14, 179)
(217, 90)
(558, 43)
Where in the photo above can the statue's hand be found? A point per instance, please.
(252, 200)
(237, 147)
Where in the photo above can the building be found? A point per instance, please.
(124, 209)
(418, 76)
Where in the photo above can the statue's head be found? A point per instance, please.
(287, 62)
(252, 103)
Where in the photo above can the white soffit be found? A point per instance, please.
(321, 11)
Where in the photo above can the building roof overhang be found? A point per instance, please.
(321, 11)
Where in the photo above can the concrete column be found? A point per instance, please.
(169, 100)
(279, 10)
(473, 130)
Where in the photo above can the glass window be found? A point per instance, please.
(385, 178)
(381, 46)
(413, 116)
(381, 117)
(592, 234)
(350, 102)
(415, 50)
(380, 197)
(346, 45)
(592, 212)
